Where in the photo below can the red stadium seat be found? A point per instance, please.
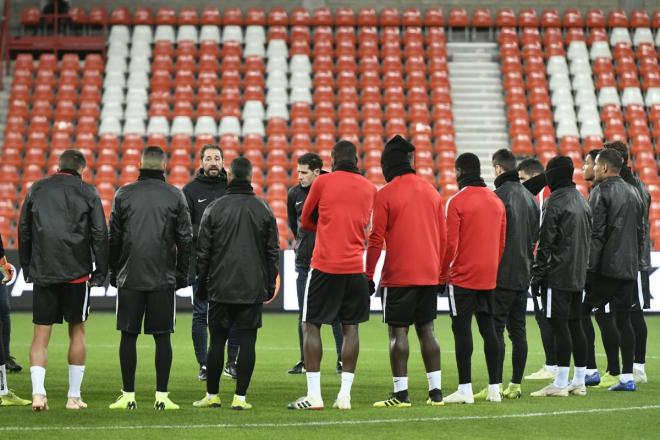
(527, 18)
(617, 18)
(211, 16)
(572, 18)
(458, 17)
(143, 15)
(506, 17)
(550, 18)
(120, 16)
(482, 18)
(367, 17)
(434, 17)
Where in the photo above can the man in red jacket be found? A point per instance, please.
(338, 208)
(476, 233)
(408, 216)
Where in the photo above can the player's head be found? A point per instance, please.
(153, 158)
(343, 151)
(620, 147)
(467, 164)
(589, 162)
(503, 161)
(212, 160)
(529, 168)
(240, 169)
(309, 168)
(72, 160)
(397, 157)
(608, 163)
(559, 172)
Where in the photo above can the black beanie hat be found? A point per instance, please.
(468, 163)
(559, 172)
(395, 160)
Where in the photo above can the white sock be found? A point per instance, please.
(76, 373)
(591, 371)
(400, 383)
(639, 367)
(210, 396)
(240, 398)
(160, 395)
(38, 378)
(347, 383)
(465, 388)
(435, 380)
(578, 375)
(314, 384)
(4, 389)
(561, 381)
(552, 368)
(627, 377)
(493, 388)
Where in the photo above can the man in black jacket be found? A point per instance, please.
(559, 273)
(150, 239)
(309, 168)
(209, 184)
(617, 244)
(514, 273)
(61, 230)
(237, 266)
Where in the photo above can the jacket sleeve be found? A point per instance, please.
(204, 240)
(546, 245)
(115, 236)
(642, 230)
(377, 235)
(190, 203)
(442, 229)
(310, 212)
(534, 221)
(292, 216)
(25, 234)
(183, 239)
(502, 233)
(453, 228)
(99, 232)
(272, 241)
(598, 229)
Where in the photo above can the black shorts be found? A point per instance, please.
(561, 304)
(405, 306)
(54, 303)
(156, 307)
(332, 297)
(468, 302)
(607, 295)
(642, 296)
(505, 300)
(243, 316)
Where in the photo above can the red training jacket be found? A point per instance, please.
(338, 208)
(409, 216)
(476, 234)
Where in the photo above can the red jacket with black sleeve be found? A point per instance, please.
(409, 217)
(338, 208)
(476, 234)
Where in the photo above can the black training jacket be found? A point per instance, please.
(304, 239)
(237, 248)
(563, 248)
(150, 235)
(617, 238)
(61, 230)
(645, 196)
(522, 232)
(200, 192)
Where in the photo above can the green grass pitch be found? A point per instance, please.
(600, 415)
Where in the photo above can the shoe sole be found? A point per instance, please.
(213, 405)
(512, 397)
(240, 408)
(311, 408)
(435, 403)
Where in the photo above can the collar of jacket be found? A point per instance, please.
(627, 175)
(536, 184)
(70, 173)
(220, 178)
(470, 180)
(240, 186)
(151, 174)
(346, 165)
(509, 176)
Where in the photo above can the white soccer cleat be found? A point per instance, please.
(577, 390)
(494, 396)
(545, 373)
(640, 376)
(551, 391)
(306, 403)
(458, 397)
(342, 402)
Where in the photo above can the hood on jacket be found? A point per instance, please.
(395, 160)
(559, 172)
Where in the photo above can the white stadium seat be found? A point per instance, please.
(158, 125)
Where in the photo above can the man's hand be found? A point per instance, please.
(7, 269)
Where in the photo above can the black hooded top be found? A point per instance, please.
(395, 160)
(200, 192)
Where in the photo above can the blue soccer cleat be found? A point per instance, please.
(591, 380)
(624, 386)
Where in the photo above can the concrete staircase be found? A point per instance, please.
(478, 102)
(4, 102)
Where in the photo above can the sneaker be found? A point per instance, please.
(342, 402)
(12, 366)
(239, 404)
(592, 380)
(577, 390)
(551, 391)
(608, 381)
(513, 391)
(624, 386)
(12, 399)
(339, 367)
(124, 401)
(494, 396)
(39, 403)
(459, 397)
(435, 398)
(640, 376)
(299, 368)
(163, 402)
(545, 373)
(208, 402)
(481, 395)
(394, 402)
(306, 403)
(202, 373)
(230, 370)
(75, 403)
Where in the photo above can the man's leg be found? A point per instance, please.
(627, 344)
(128, 360)
(487, 330)
(431, 355)
(7, 398)
(564, 345)
(580, 351)
(641, 334)
(399, 353)
(461, 326)
(215, 359)
(313, 349)
(163, 361)
(199, 329)
(301, 282)
(77, 358)
(5, 320)
(499, 322)
(590, 337)
(247, 359)
(233, 345)
(516, 326)
(349, 354)
(39, 358)
(338, 335)
(548, 341)
(611, 339)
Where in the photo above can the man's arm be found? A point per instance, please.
(546, 244)
(442, 229)
(272, 241)
(183, 244)
(377, 235)
(310, 214)
(115, 238)
(204, 242)
(453, 229)
(190, 203)
(100, 247)
(502, 232)
(598, 230)
(291, 213)
(25, 234)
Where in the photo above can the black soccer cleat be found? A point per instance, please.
(202, 376)
(230, 370)
(12, 366)
(299, 368)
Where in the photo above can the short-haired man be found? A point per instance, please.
(62, 232)
(237, 263)
(514, 273)
(309, 168)
(209, 183)
(476, 234)
(338, 208)
(150, 239)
